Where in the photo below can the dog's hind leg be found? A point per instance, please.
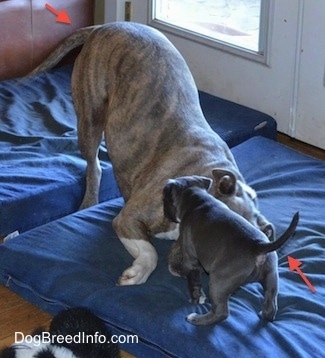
(219, 293)
(89, 147)
(90, 133)
(217, 314)
(270, 306)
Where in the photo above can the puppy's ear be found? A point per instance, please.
(170, 210)
(205, 183)
(225, 181)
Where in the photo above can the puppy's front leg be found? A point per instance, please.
(192, 270)
(175, 259)
(194, 282)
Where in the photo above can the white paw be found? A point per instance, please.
(191, 317)
(134, 275)
(145, 262)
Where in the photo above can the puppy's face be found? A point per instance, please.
(173, 190)
(171, 195)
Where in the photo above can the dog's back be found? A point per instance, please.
(146, 101)
(221, 226)
(211, 220)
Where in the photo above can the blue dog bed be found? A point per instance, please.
(76, 260)
(234, 122)
(42, 171)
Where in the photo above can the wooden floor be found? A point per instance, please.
(17, 314)
(301, 147)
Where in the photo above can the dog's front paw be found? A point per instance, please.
(191, 317)
(138, 273)
(142, 266)
(134, 275)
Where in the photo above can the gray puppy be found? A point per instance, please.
(130, 83)
(217, 240)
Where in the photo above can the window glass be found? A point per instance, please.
(235, 22)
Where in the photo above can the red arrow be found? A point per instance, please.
(61, 16)
(294, 265)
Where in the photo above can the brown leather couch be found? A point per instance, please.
(29, 32)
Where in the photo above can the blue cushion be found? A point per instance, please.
(236, 123)
(42, 173)
(77, 260)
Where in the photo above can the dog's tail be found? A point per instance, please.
(263, 248)
(73, 41)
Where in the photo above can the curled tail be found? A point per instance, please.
(263, 248)
(75, 40)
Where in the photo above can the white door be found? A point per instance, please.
(309, 123)
(290, 87)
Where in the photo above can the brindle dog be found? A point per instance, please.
(132, 84)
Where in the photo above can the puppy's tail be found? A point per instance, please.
(75, 40)
(264, 248)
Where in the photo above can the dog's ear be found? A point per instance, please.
(266, 227)
(170, 210)
(225, 181)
